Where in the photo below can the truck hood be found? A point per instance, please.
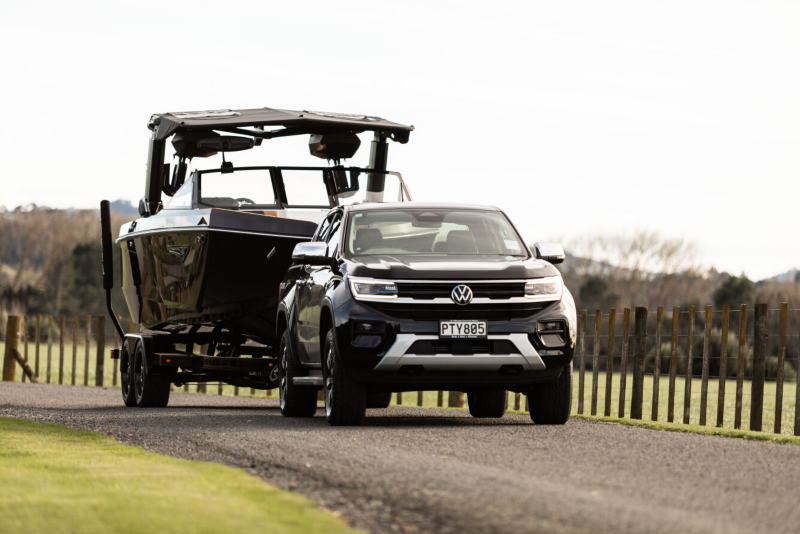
(461, 268)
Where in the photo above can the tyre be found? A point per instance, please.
(379, 400)
(345, 399)
(126, 373)
(551, 403)
(150, 390)
(488, 403)
(296, 401)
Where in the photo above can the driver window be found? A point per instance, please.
(334, 237)
(322, 231)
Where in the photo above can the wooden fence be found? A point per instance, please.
(607, 348)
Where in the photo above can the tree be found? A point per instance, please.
(735, 291)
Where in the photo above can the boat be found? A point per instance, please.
(210, 249)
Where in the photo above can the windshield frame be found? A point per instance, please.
(345, 238)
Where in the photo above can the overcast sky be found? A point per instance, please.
(574, 117)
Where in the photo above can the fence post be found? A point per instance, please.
(737, 418)
(673, 363)
(623, 366)
(101, 351)
(454, 399)
(88, 345)
(49, 345)
(657, 362)
(517, 401)
(440, 399)
(12, 340)
(400, 398)
(612, 322)
(419, 398)
(706, 363)
(723, 365)
(24, 343)
(36, 355)
(687, 386)
(781, 360)
(759, 359)
(62, 326)
(582, 364)
(74, 348)
(640, 331)
(598, 317)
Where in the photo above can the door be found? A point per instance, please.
(304, 301)
(315, 287)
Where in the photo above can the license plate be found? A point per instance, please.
(462, 329)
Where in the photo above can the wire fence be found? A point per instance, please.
(725, 368)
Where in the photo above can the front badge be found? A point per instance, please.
(461, 295)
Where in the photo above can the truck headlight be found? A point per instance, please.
(548, 288)
(373, 289)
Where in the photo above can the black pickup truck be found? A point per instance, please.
(415, 297)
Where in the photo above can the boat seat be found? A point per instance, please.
(460, 241)
(367, 238)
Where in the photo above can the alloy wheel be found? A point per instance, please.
(138, 376)
(282, 381)
(328, 381)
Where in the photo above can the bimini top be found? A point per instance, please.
(268, 122)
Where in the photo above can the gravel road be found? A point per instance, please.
(418, 470)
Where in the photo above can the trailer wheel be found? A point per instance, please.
(150, 390)
(126, 374)
(345, 399)
(296, 401)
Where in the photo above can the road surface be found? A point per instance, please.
(419, 470)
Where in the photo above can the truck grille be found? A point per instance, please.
(434, 312)
(490, 290)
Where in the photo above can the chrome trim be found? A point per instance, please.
(444, 300)
(178, 229)
(396, 356)
(480, 300)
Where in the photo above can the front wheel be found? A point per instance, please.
(345, 399)
(551, 403)
(296, 401)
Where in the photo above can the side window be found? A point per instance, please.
(323, 229)
(334, 236)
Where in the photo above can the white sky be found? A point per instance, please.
(575, 117)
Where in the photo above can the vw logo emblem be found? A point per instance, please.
(461, 295)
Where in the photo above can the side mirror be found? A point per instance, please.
(314, 253)
(551, 252)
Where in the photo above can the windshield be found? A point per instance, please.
(434, 233)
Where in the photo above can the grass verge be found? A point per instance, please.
(694, 429)
(55, 479)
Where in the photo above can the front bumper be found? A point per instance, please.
(397, 358)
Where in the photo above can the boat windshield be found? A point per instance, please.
(433, 233)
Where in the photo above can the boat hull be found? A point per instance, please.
(225, 277)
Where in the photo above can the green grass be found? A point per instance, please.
(56, 479)
(695, 429)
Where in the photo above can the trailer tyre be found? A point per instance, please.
(551, 403)
(296, 401)
(489, 403)
(345, 399)
(150, 390)
(126, 373)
